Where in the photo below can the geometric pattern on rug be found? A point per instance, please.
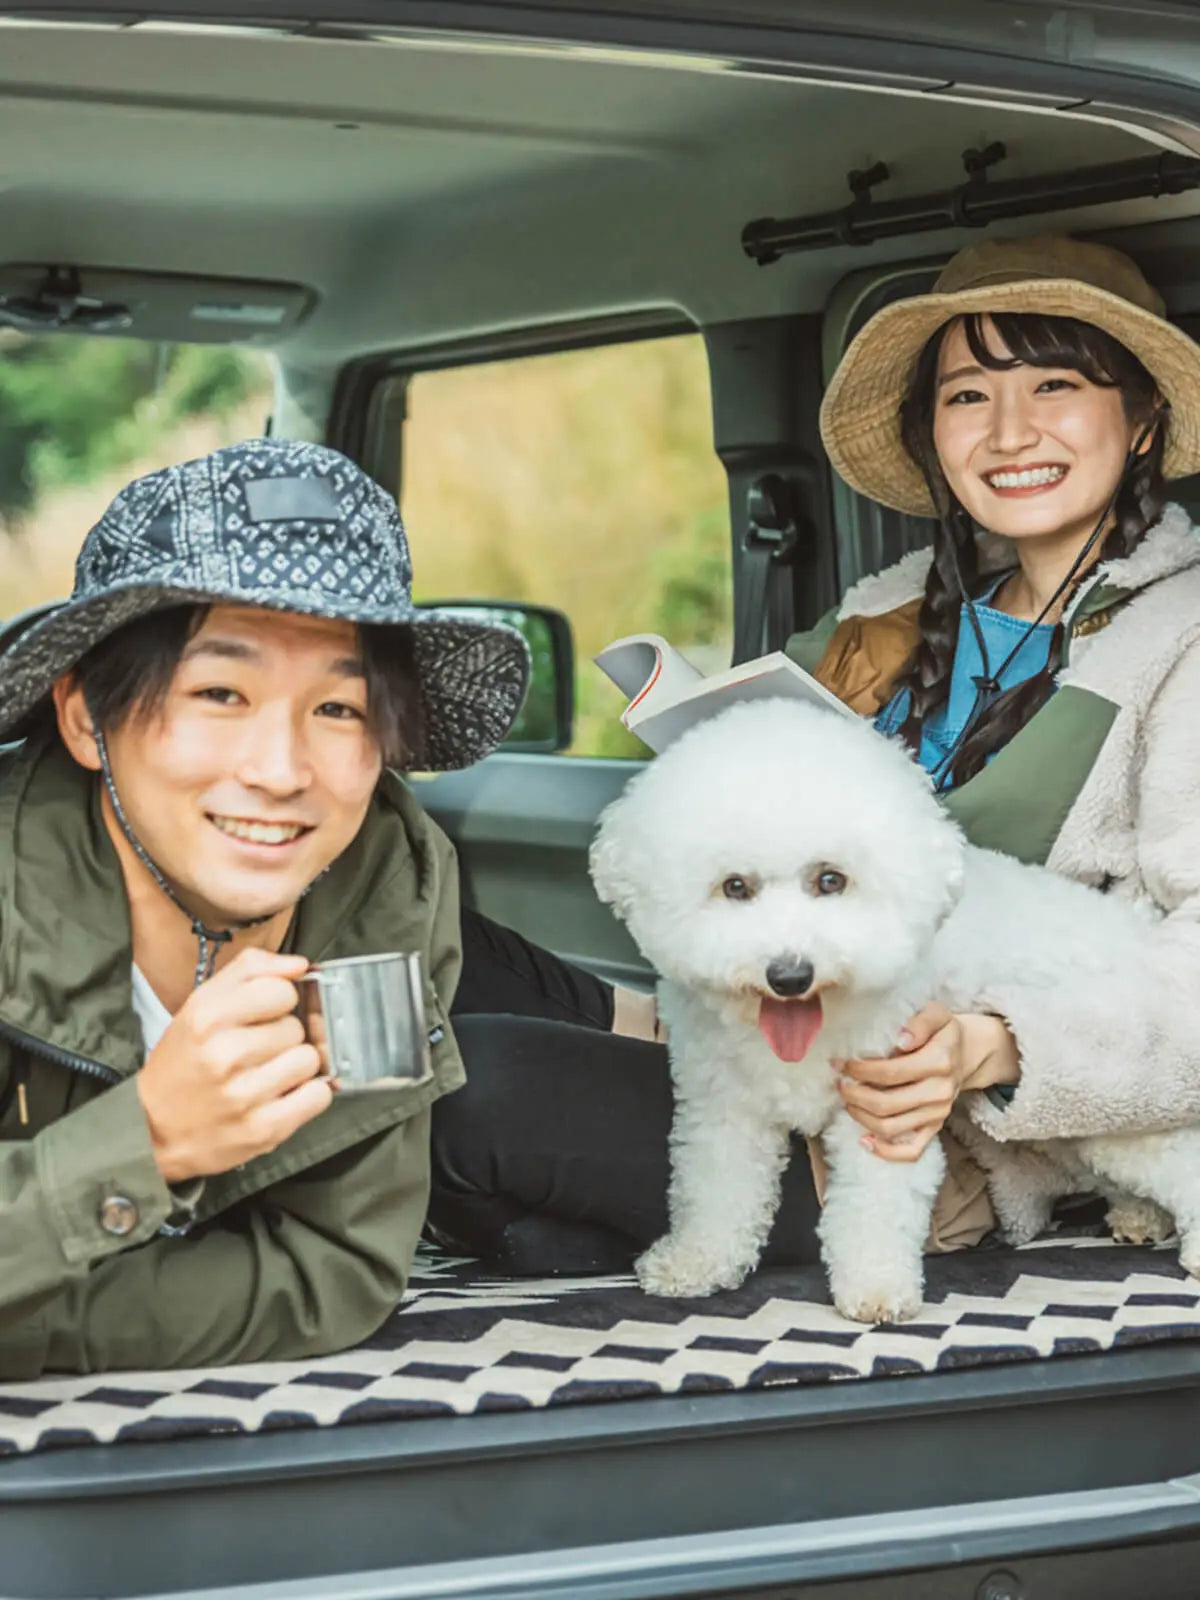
(464, 1343)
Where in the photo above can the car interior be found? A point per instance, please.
(365, 204)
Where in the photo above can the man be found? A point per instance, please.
(199, 807)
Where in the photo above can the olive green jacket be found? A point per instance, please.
(302, 1251)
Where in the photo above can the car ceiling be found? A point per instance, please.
(428, 190)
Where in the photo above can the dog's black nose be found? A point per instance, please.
(790, 977)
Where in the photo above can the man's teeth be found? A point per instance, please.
(1029, 479)
(259, 832)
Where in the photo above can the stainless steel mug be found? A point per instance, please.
(366, 1016)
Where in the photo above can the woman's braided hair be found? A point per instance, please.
(1037, 341)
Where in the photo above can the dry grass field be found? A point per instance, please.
(586, 481)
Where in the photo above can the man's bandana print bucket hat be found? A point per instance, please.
(284, 525)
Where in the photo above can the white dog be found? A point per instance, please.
(802, 894)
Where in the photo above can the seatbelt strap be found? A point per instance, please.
(750, 602)
(763, 583)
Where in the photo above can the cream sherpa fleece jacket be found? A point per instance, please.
(1129, 1058)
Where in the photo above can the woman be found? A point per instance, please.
(1045, 672)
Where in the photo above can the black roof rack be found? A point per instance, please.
(972, 204)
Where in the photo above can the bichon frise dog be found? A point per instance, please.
(802, 894)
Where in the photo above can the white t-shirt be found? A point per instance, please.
(149, 1009)
(155, 1019)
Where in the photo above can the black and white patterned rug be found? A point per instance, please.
(464, 1342)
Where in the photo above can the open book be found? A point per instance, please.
(667, 695)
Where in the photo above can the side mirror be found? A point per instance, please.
(546, 722)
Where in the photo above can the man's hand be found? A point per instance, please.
(233, 1075)
(903, 1100)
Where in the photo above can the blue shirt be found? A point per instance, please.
(1000, 634)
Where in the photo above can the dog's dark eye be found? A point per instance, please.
(737, 889)
(830, 881)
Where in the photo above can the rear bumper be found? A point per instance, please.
(1154, 1527)
(658, 1497)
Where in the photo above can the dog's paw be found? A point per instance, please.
(1022, 1211)
(880, 1308)
(1021, 1224)
(677, 1269)
(1189, 1252)
(892, 1296)
(1133, 1221)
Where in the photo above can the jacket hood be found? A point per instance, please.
(1171, 546)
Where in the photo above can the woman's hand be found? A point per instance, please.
(903, 1100)
(636, 1014)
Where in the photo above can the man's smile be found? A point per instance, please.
(254, 832)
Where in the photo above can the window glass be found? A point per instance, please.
(870, 536)
(80, 417)
(587, 481)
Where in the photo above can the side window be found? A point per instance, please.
(80, 417)
(584, 480)
(1186, 491)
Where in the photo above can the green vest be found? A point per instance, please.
(1018, 803)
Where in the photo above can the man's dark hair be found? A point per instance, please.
(129, 673)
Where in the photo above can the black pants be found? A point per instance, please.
(553, 1158)
(504, 973)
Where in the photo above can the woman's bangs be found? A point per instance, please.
(1037, 340)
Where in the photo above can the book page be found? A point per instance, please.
(779, 675)
(769, 678)
(651, 672)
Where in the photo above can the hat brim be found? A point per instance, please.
(472, 676)
(860, 415)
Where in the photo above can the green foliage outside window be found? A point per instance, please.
(73, 408)
(585, 481)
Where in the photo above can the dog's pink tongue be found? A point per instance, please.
(790, 1026)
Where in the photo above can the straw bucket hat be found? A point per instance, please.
(1050, 274)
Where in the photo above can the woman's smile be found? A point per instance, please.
(1035, 478)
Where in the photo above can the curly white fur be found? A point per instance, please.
(773, 793)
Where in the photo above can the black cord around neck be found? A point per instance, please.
(209, 940)
(987, 683)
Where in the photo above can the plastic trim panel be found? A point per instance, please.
(333, 1504)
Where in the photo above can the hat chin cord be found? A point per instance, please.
(987, 684)
(209, 940)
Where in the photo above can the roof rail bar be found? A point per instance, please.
(973, 204)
